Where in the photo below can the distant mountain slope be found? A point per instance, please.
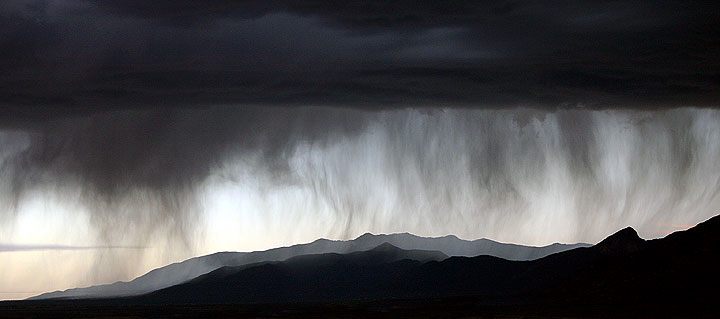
(353, 278)
(297, 278)
(678, 272)
(180, 272)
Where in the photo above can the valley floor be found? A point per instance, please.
(435, 308)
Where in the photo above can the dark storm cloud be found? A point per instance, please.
(80, 56)
(138, 171)
(161, 148)
(128, 106)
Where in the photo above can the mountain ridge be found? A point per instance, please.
(623, 270)
(176, 273)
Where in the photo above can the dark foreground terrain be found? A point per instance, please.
(623, 276)
(458, 307)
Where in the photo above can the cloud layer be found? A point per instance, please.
(59, 57)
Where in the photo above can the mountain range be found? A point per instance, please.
(622, 276)
(678, 274)
(189, 269)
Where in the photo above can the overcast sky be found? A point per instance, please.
(94, 55)
(138, 133)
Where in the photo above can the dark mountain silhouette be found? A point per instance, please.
(623, 242)
(678, 272)
(297, 278)
(180, 272)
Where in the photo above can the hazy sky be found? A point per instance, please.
(523, 176)
(135, 133)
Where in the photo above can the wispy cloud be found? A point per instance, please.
(34, 247)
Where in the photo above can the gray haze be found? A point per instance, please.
(515, 175)
(16, 248)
